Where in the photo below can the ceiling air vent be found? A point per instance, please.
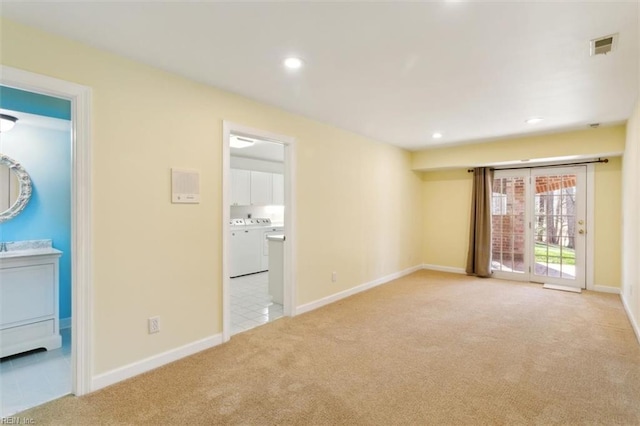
(603, 45)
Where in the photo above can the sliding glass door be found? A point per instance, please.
(538, 225)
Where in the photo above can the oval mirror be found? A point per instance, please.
(15, 188)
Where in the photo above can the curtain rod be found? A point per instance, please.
(599, 160)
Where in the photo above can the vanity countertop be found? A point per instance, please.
(27, 248)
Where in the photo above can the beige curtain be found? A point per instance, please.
(479, 257)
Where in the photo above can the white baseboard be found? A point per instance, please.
(65, 323)
(444, 269)
(357, 289)
(606, 289)
(632, 320)
(153, 362)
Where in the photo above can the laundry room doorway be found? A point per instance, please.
(258, 232)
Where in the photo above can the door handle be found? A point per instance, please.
(581, 232)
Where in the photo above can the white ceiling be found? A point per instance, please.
(393, 71)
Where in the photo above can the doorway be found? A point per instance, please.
(539, 225)
(258, 206)
(36, 363)
(81, 230)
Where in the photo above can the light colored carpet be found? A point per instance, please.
(430, 348)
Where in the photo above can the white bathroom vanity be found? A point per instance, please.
(29, 286)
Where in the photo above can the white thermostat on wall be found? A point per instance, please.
(185, 186)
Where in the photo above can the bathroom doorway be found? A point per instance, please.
(35, 363)
(258, 217)
(73, 314)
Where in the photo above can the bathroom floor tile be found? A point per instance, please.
(33, 378)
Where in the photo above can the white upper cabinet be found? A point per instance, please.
(261, 188)
(278, 189)
(240, 187)
(254, 188)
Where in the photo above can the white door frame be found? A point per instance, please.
(590, 241)
(81, 228)
(289, 294)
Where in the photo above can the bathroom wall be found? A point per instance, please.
(45, 153)
(34, 103)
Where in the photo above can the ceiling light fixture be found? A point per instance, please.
(293, 63)
(436, 135)
(238, 142)
(7, 122)
(533, 120)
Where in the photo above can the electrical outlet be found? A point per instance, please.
(334, 277)
(154, 325)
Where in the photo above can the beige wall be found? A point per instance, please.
(630, 216)
(607, 140)
(631, 221)
(358, 202)
(447, 198)
(608, 223)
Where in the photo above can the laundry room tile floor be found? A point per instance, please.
(35, 377)
(251, 304)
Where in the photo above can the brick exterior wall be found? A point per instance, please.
(508, 229)
(553, 183)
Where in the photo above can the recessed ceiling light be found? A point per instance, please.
(533, 120)
(293, 63)
(436, 135)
